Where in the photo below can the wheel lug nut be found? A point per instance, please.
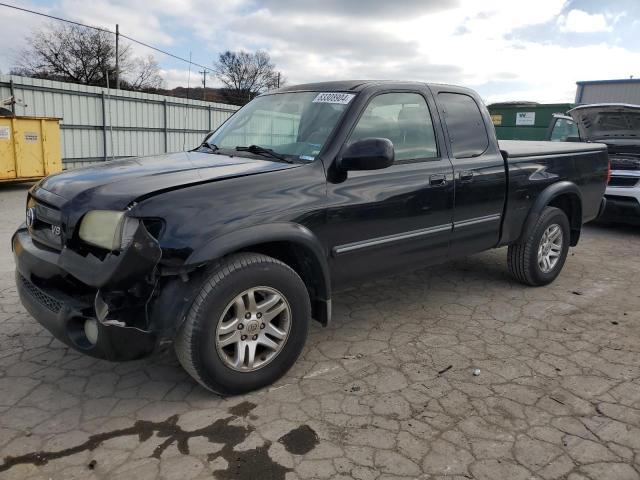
(259, 315)
(243, 337)
(262, 325)
(247, 316)
(240, 327)
(255, 337)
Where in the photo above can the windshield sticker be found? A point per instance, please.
(307, 157)
(334, 97)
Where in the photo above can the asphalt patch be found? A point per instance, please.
(251, 464)
(242, 409)
(241, 465)
(300, 441)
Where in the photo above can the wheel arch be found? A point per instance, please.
(564, 195)
(292, 244)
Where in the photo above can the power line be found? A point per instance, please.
(106, 31)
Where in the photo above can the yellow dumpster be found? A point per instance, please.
(29, 148)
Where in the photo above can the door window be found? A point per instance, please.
(404, 119)
(563, 129)
(467, 131)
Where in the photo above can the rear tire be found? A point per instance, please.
(538, 259)
(229, 341)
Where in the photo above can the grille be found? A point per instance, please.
(41, 297)
(47, 219)
(624, 163)
(623, 181)
(626, 201)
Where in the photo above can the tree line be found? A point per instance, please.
(76, 54)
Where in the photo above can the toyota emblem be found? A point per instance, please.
(31, 216)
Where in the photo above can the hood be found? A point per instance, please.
(115, 184)
(612, 123)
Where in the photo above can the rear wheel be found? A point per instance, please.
(538, 259)
(247, 326)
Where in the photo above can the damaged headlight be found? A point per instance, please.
(108, 229)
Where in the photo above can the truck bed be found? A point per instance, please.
(525, 148)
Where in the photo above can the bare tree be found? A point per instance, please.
(246, 74)
(145, 74)
(72, 53)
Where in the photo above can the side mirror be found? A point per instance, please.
(367, 154)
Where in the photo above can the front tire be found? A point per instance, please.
(246, 327)
(538, 259)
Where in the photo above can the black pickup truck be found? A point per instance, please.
(229, 250)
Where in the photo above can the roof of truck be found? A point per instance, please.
(345, 85)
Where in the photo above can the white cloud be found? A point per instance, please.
(174, 77)
(579, 21)
(15, 27)
(454, 41)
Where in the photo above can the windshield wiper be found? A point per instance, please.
(258, 150)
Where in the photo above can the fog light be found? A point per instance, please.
(91, 330)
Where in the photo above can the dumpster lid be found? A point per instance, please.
(29, 117)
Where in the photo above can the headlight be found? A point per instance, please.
(107, 229)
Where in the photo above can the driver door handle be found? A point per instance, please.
(438, 180)
(466, 176)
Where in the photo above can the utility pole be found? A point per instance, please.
(204, 83)
(278, 79)
(117, 55)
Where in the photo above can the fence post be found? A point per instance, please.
(166, 133)
(104, 127)
(13, 96)
(209, 111)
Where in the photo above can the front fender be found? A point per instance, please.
(261, 234)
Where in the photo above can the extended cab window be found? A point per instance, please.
(467, 131)
(563, 129)
(404, 119)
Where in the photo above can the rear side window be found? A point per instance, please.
(467, 131)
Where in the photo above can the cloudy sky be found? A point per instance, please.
(506, 49)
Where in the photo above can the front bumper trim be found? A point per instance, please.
(64, 315)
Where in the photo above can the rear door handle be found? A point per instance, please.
(466, 176)
(438, 180)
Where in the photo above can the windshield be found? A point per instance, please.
(293, 124)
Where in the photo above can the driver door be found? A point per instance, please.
(400, 217)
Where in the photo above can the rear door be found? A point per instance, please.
(382, 221)
(479, 171)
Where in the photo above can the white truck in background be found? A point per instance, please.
(618, 126)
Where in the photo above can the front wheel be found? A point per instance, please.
(538, 259)
(247, 326)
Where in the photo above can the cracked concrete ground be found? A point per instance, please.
(387, 391)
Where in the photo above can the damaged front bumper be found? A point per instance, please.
(100, 307)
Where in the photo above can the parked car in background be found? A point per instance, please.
(563, 129)
(617, 126)
(231, 249)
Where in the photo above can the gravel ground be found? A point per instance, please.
(387, 391)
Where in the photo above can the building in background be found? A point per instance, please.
(524, 120)
(609, 91)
